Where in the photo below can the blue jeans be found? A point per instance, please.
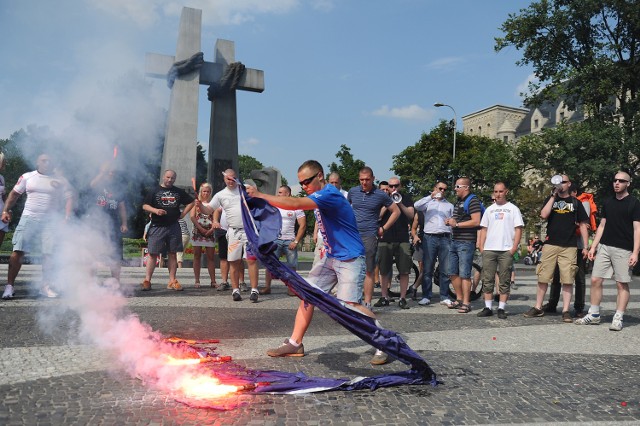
(432, 247)
(461, 258)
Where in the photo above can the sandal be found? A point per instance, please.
(464, 309)
(455, 305)
(197, 285)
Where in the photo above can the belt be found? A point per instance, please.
(442, 234)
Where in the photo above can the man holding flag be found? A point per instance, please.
(344, 263)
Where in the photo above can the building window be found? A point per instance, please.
(561, 116)
(479, 130)
(535, 123)
(505, 139)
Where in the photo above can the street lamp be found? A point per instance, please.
(455, 123)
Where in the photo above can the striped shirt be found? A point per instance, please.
(366, 207)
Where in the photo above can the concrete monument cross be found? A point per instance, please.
(179, 151)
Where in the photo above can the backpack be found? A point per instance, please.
(465, 206)
(468, 201)
(586, 197)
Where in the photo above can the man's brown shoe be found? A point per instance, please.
(174, 285)
(146, 285)
(286, 349)
(265, 291)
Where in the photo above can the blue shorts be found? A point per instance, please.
(348, 275)
(461, 258)
(282, 249)
(32, 234)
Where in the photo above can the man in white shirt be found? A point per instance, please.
(500, 233)
(288, 240)
(231, 202)
(436, 239)
(44, 191)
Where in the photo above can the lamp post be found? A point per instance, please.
(455, 123)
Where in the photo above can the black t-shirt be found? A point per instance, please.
(170, 200)
(399, 231)
(620, 215)
(561, 224)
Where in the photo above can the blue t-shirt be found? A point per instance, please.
(337, 224)
(366, 206)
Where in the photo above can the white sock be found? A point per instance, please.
(488, 304)
(621, 313)
(235, 290)
(293, 342)
(502, 305)
(594, 310)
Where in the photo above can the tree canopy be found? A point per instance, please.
(482, 159)
(583, 52)
(348, 168)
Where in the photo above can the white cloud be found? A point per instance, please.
(214, 12)
(524, 86)
(410, 112)
(446, 63)
(322, 5)
(249, 143)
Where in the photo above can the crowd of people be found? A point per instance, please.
(360, 235)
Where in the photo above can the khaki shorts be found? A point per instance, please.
(612, 262)
(564, 257)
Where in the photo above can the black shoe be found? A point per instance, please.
(513, 285)
(254, 296)
(381, 302)
(485, 312)
(393, 294)
(502, 314)
(236, 296)
(549, 308)
(403, 304)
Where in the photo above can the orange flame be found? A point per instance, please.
(204, 387)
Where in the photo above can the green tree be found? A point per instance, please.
(584, 52)
(246, 163)
(348, 168)
(590, 152)
(482, 159)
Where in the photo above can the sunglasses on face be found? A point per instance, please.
(394, 186)
(620, 180)
(308, 180)
(441, 189)
(461, 186)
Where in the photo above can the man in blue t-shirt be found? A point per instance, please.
(343, 266)
(367, 202)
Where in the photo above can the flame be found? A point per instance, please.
(204, 387)
(115, 152)
(182, 361)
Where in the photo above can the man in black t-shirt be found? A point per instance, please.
(164, 233)
(618, 237)
(394, 245)
(562, 212)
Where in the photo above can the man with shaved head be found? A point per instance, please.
(617, 242)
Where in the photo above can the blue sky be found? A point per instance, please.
(363, 73)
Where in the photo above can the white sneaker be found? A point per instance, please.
(47, 292)
(446, 302)
(588, 319)
(424, 301)
(616, 324)
(8, 292)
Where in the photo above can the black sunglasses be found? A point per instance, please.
(620, 180)
(394, 186)
(308, 180)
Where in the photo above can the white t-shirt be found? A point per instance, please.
(289, 218)
(230, 202)
(44, 193)
(501, 222)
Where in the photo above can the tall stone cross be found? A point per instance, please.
(179, 151)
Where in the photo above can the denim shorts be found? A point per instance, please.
(282, 249)
(461, 258)
(347, 275)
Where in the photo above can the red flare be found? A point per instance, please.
(115, 152)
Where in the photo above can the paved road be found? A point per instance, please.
(514, 371)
